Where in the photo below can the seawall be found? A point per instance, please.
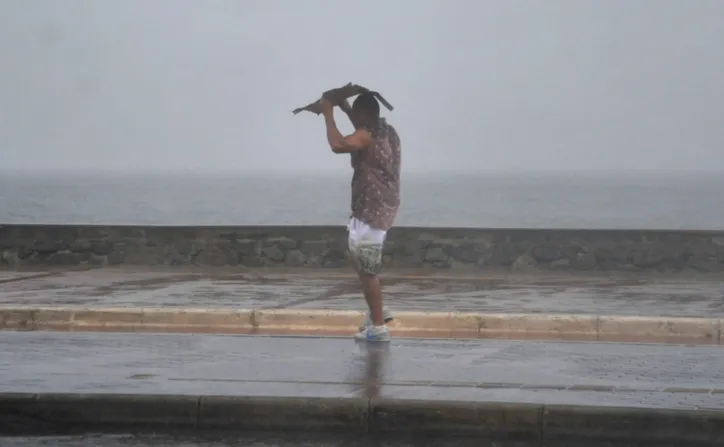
(462, 249)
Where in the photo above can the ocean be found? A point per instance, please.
(482, 199)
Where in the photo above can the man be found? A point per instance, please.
(374, 148)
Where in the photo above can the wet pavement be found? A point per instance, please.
(631, 375)
(651, 295)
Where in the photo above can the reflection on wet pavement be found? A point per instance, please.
(650, 296)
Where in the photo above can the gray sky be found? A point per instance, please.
(478, 84)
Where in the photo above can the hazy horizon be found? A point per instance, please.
(564, 200)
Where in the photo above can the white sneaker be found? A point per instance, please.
(386, 314)
(373, 334)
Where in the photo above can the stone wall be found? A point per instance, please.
(441, 248)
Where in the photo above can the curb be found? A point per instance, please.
(459, 325)
(53, 413)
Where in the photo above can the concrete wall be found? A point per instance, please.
(442, 248)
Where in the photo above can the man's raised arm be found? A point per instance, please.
(360, 139)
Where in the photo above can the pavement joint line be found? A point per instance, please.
(545, 423)
(458, 325)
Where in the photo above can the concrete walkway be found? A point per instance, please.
(692, 296)
(587, 374)
(537, 392)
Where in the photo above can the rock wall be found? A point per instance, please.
(408, 247)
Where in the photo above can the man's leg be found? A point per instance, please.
(354, 228)
(373, 296)
(366, 246)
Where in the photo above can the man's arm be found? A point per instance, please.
(360, 139)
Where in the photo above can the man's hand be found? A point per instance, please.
(325, 106)
(360, 139)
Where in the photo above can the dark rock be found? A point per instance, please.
(561, 264)
(570, 251)
(274, 253)
(24, 252)
(81, 245)
(524, 262)
(116, 257)
(390, 247)
(443, 263)
(546, 253)
(229, 236)
(101, 247)
(435, 254)
(9, 257)
(189, 248)
(584, 261)
(49, 246)
(216, 254)
(172, 255)
(314, 248)
(613, 256)
(63, 258)
(97, 260)
(705, 264)
(295, 258)
(247, 247)
(466, 252)
(334, 257)
(387, 261)
(251, 260)
(647, 258)
(503, 254)
(283, 242)
(618, 254)
(36, 258)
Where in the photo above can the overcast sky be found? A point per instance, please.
(476, 84)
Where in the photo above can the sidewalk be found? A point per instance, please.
(680, 296)
(651, 376)
(596, 388)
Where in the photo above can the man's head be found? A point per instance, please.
(366, 110)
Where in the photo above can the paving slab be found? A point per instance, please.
(588, 374)
(698, 296)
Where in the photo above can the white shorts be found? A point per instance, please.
(366, 245)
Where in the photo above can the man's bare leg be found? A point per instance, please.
(369, 261)
(373, 295)
(371, 283)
